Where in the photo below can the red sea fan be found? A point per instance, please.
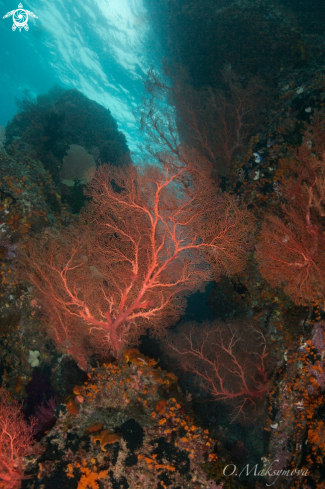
(15, 440)
(292, 257)
(291, 250)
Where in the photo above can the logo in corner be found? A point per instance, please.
(20, 18)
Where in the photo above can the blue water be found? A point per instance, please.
(101, 47)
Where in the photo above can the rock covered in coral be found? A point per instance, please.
(128, 431)
(60, 118)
